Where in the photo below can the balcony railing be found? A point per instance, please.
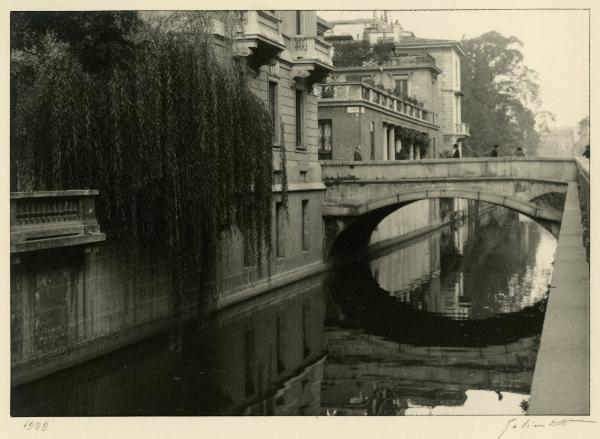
(358, 91)
(42, 220)
(262, 23)
(462, 129)
(304, 47)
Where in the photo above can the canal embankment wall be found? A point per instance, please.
(561, 381)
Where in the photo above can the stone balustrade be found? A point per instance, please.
(358, 91)
(51, 219)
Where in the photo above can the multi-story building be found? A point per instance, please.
(559, 142)
(288, 54)
(447, 55)
(368, 106)
(426, 70)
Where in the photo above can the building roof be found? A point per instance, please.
(412, 41)
(321, 22)
(356, 21)
(341, 37)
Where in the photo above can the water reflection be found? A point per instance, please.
(458, 273)
(447, 323)
(262, 357)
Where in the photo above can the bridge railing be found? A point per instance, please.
(562, 169)
(583, 185)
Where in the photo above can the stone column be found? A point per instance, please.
(385, 141)
(391, 143)
(417, 153)
(411, 151)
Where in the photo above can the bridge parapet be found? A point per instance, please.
(540, 168)
(583, 186)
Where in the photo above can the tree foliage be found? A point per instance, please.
(356, 53)
(177, 144)
(99, 40)
(500, 92)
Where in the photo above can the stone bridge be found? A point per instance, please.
(360, 194)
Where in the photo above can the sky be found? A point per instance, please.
(555, 45)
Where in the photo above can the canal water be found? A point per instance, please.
(447, 323)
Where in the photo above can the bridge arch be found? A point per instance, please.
(348, 228)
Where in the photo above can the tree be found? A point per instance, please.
(356, 53)
(500, 91)
(173, 137)
(99, 40)
(544, 121)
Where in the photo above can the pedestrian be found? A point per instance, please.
(357, 154)
(586, 153)
(494, 152)
(456, 154)
(520, 152)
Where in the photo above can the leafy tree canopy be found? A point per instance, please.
(99, 40)
(500, 92)
(356, 53)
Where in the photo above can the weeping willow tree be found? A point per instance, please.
(177, 144)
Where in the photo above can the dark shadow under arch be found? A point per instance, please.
(354, 238)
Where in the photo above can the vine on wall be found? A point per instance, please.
(177, 144)
(409, 137)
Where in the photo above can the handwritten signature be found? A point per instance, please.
(514, 424)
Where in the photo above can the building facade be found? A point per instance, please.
(558, 143)
(426, 70)
(72, 297)
(288, 54)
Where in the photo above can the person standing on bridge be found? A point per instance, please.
(586, 153)
(520, 152)
(357, 154)
(494, 152)
(456, 154)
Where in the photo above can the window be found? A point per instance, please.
(325, 139)
(372, 138)
(299, 119)
(305, 226)
(298, 22)
(306, 330)
(279, 238)
(248, 253)
(280, 358)
(401, 87)
(273, 108)
(250, 361)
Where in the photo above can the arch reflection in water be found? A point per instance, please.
(447, 323)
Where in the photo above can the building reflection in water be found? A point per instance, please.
(447, 322)
(463, 273)
(489, 272)
(262, 357)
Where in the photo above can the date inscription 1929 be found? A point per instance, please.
(37, 426)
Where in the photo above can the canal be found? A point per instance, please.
(446, 323)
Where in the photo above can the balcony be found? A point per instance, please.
(349, 92)
(462, 129)
(311, 57)
(44, 220)
(259, 39)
